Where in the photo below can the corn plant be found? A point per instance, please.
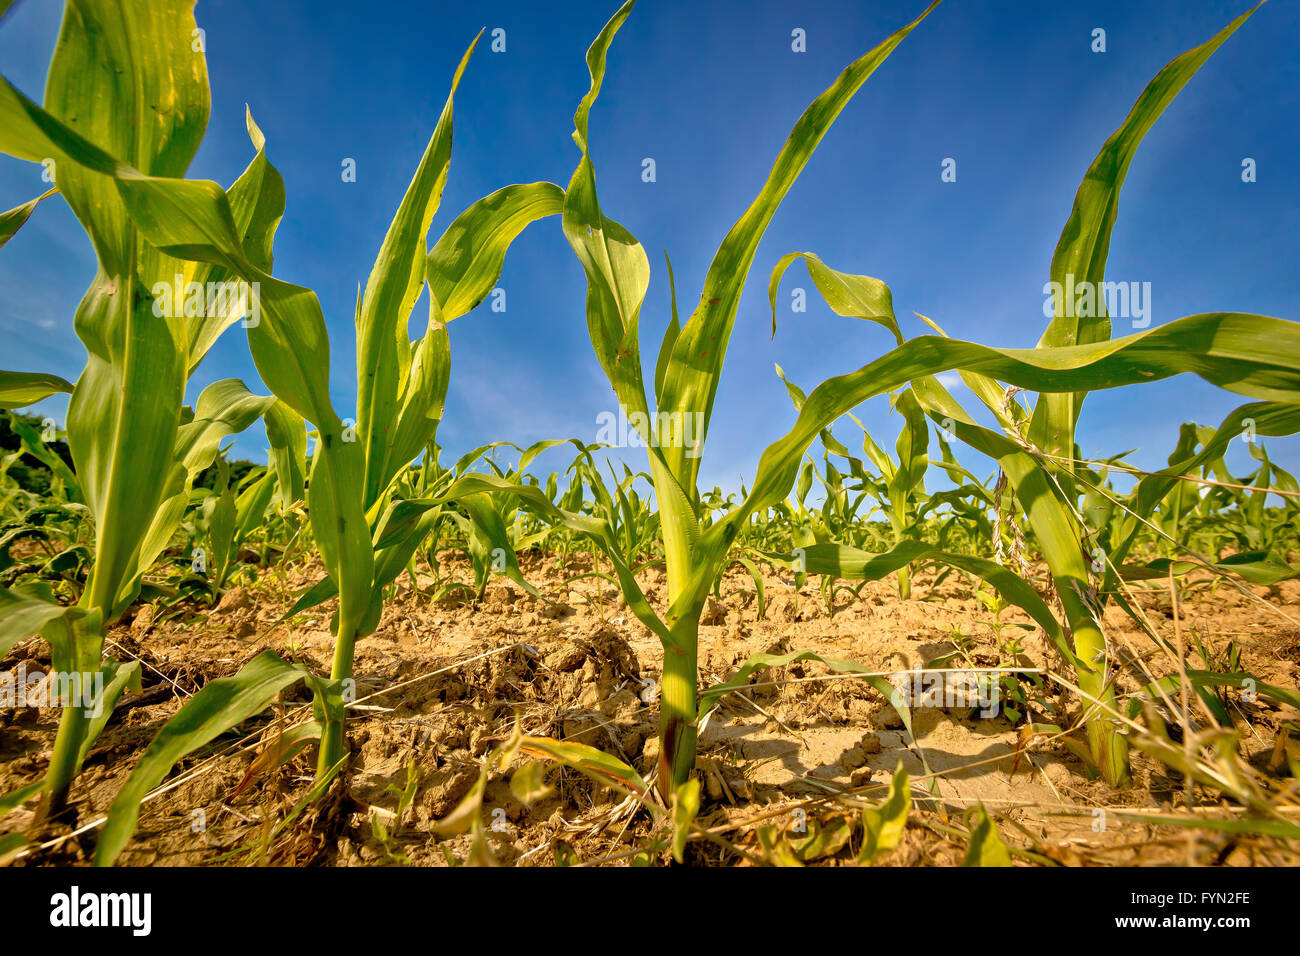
(135, 447)
(490, 526)
(685, 384)
(1187, 513)
(1257, 356)
(226, 517)
(900, 488)
(365, 539)
(1236, 507)
(402, 385)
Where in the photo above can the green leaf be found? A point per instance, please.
(466, 261)
(287, 455)
(617, 270)
(256, 201)
(883, 826)
(490, 541)
(596, 764)
(528, 783)
(222, 704)
(1250, 354)
(13, 220)
(384, 354)
(691, 381)
(757, 578)
(111, 63)
(1282, 829)
(1085, 241)
(33, 444)
(251, 505)
(11, 844)
(465, 815)
(19, 389)
(857, 297)
(1258, 567)
(16, 798)
(776, 850)
(686, 805)
(1202, 679)
(117, 678)
(23, 616)
(317, 594)
(986, 847)
(670, 334)
(423, 394)
(224, 408)
(823, 840)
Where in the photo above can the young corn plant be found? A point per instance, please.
(226, 517)
(402, 385)
(365, 540)
(686, 373)
(136, 447)
(1253, 355)
(684, 387)
(1242, 503)
(901, 486)
(1187, 517)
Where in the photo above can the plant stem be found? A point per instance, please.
(677, 698)
(1109, 747)
(333, 738)
(63, 763)
(77, 652)
(1060, 537)
(677, 709)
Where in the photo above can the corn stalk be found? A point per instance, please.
(1041, 472)
(686, 373)
(364, 539)
(135, 447)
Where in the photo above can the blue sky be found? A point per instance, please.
(1011, 91)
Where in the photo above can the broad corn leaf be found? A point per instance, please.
(467, 259)
(383, 346)
(222, 704)
(618, 272)
(691, 380)
(1080, 256)
(19, 389)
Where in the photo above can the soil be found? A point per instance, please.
(441, 683)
